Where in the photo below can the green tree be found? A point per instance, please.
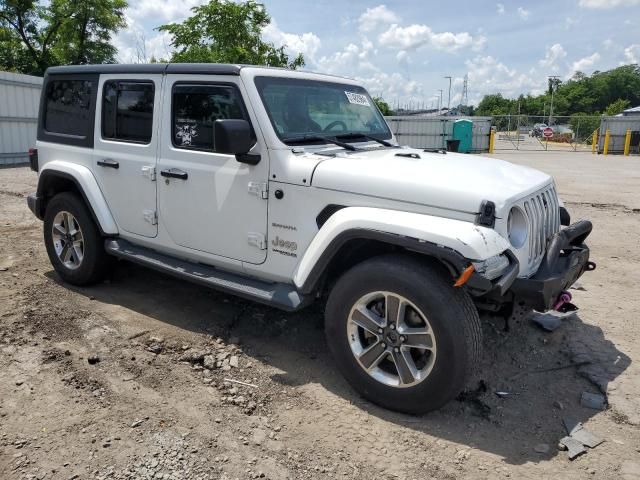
(614, 108)
(86, 36)
(13, 57)
(582, 94)
(38, 34)
(227, 32)
(496, 104)
(583, 125)
(383, 106)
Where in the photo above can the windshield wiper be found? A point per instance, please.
(319, 138)
(368, 137)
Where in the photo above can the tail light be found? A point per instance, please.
(33, 159)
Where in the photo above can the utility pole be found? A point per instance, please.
(552, 84)
(465, 91)
(449, 101)
(440, 101)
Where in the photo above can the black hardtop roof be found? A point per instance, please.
(193, 68)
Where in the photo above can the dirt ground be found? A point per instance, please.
(129, 379)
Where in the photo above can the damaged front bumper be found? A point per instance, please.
(566, 259)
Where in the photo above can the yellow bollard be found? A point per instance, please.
(607, 137)
(492, 136)
(627, 142)
(594, 141)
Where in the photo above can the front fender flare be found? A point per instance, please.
(455, 241)
(86, 183)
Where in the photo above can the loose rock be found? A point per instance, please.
(233, 361)
(541, 448)
(593, 400)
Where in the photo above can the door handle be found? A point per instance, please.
(174, 173)
(109, 162)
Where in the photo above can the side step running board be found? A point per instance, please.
(279, 295)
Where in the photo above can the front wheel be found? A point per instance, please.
(401, 334)
(74, 244)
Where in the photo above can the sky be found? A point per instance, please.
(402, 50)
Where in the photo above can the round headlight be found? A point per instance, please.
(517, 227)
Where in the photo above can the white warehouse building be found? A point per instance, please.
(19, 101)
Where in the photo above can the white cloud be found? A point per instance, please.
(553, 57)
(162, 10)
(351, 60)
(585, 64)
(307, 43)
(403, 57)
(488, 75)
(392, 86)
(500, 8)
(523, 14)
(416, 36)
(135, 47)
(603, 4)
(479, 43)
(632, 53)
(569, 22)
(374, 17)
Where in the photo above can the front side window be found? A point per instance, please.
(127, 111)
(195, 108)
(299, 108)
(68, 107)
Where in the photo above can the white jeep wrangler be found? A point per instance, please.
(287, 187)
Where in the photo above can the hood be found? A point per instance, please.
(452, 181)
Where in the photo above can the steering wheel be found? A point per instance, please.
(335, 123)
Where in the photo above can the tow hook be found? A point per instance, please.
(591, 266)
(563, 303)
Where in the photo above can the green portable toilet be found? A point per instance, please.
(463, 131)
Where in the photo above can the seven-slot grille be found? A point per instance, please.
(543, 213)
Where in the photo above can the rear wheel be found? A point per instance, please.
(73, 241)
(401, 334)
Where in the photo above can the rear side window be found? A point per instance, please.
(127, 111)
(68, 107)
(196, 107)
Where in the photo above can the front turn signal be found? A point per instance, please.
(464, 276)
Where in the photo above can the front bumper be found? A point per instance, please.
(35, 204)
(567, 258)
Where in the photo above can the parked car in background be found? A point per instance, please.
(537, 130)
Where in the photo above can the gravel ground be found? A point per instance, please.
(145, 376)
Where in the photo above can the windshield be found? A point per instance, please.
(299, 108)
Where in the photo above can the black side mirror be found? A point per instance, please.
(234, 136)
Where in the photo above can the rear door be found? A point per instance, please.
(125, 149)
(219, 206)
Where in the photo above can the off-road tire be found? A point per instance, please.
(450, 311)
(95, 263)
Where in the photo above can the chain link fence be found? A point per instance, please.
(541, 133)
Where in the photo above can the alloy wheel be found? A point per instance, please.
(391, 339)
(68, 240)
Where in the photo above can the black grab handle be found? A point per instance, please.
(174, 173)
(108, 162)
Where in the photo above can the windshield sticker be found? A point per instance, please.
(357, 98)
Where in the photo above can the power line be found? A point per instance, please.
(464, 100)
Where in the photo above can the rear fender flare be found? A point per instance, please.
(88, 187)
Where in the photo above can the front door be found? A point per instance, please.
(210, 202)
(125, 149)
